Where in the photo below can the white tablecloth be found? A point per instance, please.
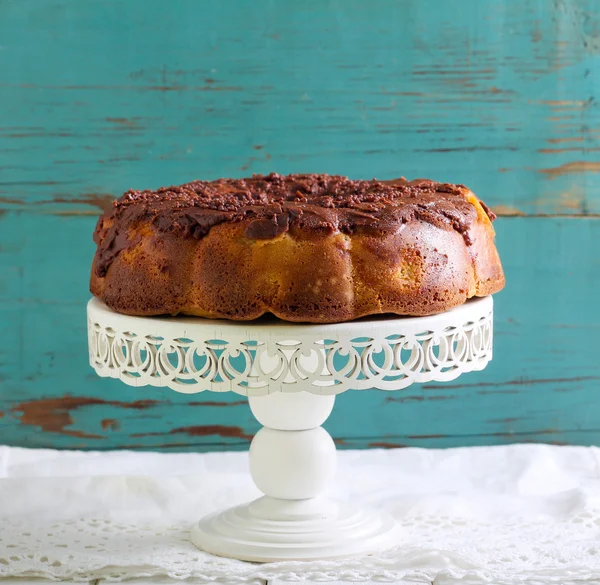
(516, 514)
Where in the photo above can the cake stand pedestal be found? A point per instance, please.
(291, 374)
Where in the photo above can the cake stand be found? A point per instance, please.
(291, 374)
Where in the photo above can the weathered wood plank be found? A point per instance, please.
(499, 95)
(542, 384)
(502, 98)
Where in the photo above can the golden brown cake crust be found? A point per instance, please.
(312, 248)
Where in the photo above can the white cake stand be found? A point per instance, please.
(291, 374)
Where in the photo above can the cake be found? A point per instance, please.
(305, 248)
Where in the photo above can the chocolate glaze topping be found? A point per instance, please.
(274, 204)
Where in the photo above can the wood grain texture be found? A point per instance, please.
(502, 96)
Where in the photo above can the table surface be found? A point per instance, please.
(257, 582)
(503, 513)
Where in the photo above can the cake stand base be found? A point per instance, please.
(291, 374)
(292, 461)
(269, 530)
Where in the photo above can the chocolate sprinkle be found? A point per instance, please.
(274, 204)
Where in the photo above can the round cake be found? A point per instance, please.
(306, 248)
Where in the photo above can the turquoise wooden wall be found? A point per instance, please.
(97, 97)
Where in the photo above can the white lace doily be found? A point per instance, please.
(518, 514)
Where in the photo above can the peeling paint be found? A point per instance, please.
(568, 149)
(565, 139)
(203, 431)
(574, 199)
(449, 72)
(53, 415)
(507, 211)
(417, 398)
(102, 201)
(575, 167)
(128, 123)
(12, 200)
(384, 445)
(110, 424)
(137, 88)
(219, 404)
(564, 104)
(520, 382)
(74, 213)
(497, 90)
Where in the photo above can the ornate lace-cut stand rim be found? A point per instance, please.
(191, 355)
